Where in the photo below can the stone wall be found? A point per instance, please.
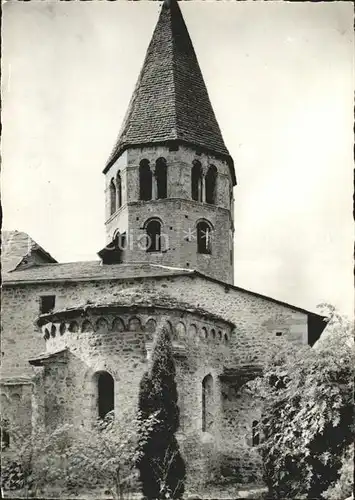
(179, 236)
(178, 213)
(257, 322)
(119, 343)
(257, 319)
(239, 456)
(16, 405)
(16, 410)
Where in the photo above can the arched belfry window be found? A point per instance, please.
(112, 197)
(211, 184)
(161, 178)
(196, 181)
(204, 237)
(145, 181)
(105, 393)
(207, 403)
(153, 234)
(119, 190)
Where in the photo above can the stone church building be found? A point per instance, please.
(86, 328)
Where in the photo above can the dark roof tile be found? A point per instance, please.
(79, 271)
(133, 298)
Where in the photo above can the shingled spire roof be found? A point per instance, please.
(170, 101)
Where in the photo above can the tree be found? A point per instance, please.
(308, 413)
(160, 464)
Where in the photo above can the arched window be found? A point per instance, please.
(105, 394)
(5, 438)
(16, 397)
(207, 403)
(196, 181)
(86, 327)
(255, 433)
(134, 324)
(145, 181)
(118, 325)
(150, 328)
(112, 197)
(211, 181)
(73, 327)
(101, 325)
(204, 333)
(153, 233)
(193, 334)
(161, 178)
(150, 325)
(204, 237)
(119, 190)
(180, 330)
(170, 330)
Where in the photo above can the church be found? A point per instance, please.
(77, 337)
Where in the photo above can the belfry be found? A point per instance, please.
(170, 178)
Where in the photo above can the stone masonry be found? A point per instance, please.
(204, 344)
(64, 325)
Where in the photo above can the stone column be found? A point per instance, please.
(203, 184)
(154, 185)
(118, 192)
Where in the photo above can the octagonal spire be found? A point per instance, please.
(170, 102)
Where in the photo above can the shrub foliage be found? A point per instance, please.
(161, 466)
(77, 458)
(308, 418)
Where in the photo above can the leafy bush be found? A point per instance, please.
(12, 476)
(343, 488)
(18, 470)
(106, 454)
(308, 414)
(73, 457)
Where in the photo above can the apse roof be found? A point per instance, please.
(134, 298)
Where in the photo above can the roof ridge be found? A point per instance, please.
(17, 246)
(168, 4)
(192, 53)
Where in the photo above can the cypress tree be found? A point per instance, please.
(161, 466)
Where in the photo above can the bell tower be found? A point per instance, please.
(170, 178)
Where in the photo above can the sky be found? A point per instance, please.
(280, 79)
